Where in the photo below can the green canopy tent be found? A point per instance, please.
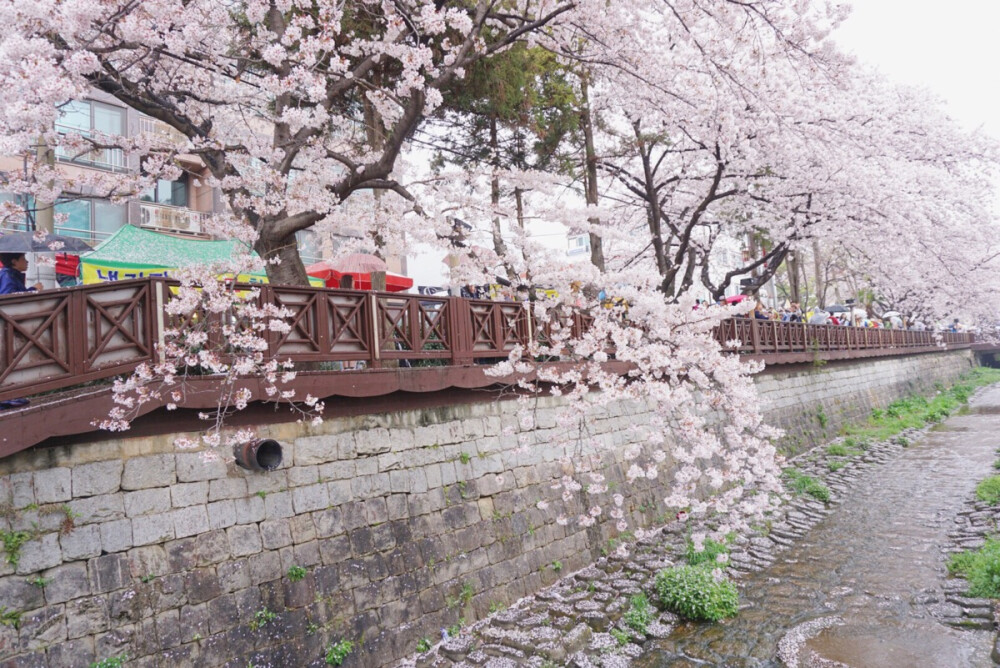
(132, 252)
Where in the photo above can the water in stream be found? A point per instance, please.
(868, 571)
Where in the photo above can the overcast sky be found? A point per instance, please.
(952, 47)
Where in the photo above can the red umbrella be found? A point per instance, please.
(360, 263)
(735, 299)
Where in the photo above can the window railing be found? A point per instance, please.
(106, 158)
(149, 125)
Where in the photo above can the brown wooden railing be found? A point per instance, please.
(61, 338)
(770, 337)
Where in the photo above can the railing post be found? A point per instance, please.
(375, 350)
(157, 321)
(460, 328)
(755, 335)
(77, 331)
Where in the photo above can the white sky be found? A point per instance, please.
(950, 46)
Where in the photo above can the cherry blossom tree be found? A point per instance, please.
(292, 106)
(706, 123)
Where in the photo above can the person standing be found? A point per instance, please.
(11, 282)
(12, 276)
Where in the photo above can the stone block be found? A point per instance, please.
(275, 481)
(278, 505)
(307, 554)
(18, 489)
(339, 492)
(338, 470)
(201, 585)
(366, 466)
(147, 501)
(97, 478)
(168, 630)
(86, 616)
(183, 495)
(39, 553)
(197, 466)
(212, 547)
(264, 567)
(275, 534)
(116, 536)
(227, 488)
(335, 550)
(315, 450)
(78, 652)
(194, 622)
(221, 514)
(328, 522)
(108, 573)
(152, 528)
(302, 528)
(147, 562)
(310, 498)
(373, 441)
(397, 507)
(303, 475)
(244, 540)
(149, 471)
(17, 594)
(399, 482)
(53, 485)
(81, 543)
(233, 575)
(190, 521)
(66, 582)
(249, 510)
(103, 508)
(223, 613)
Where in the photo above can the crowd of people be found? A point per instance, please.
(849, 314)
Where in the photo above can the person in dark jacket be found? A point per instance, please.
(12, 274)
(12, 282)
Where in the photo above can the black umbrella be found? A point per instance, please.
(837, 308)
(36, 242)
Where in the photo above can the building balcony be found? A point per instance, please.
(152, 126)
(104, 158)
(171, 219)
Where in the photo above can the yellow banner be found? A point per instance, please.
(95, 272)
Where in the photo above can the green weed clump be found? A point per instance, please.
(639, 615)
(695, 592)
(338, 651)
(989, 490)
(915, 412)
(710, 553)
(799, 483)
(842, 450)
(980, 567)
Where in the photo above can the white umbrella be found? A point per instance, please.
(358, 263)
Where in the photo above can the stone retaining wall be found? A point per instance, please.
(403, 524)
(812, 403)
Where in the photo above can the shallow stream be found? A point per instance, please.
(870, 572)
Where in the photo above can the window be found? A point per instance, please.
(84, 117)
(578, 244)
(171, 193)
(92, 219)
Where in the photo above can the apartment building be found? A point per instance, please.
(177, 207)
(174, 207)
